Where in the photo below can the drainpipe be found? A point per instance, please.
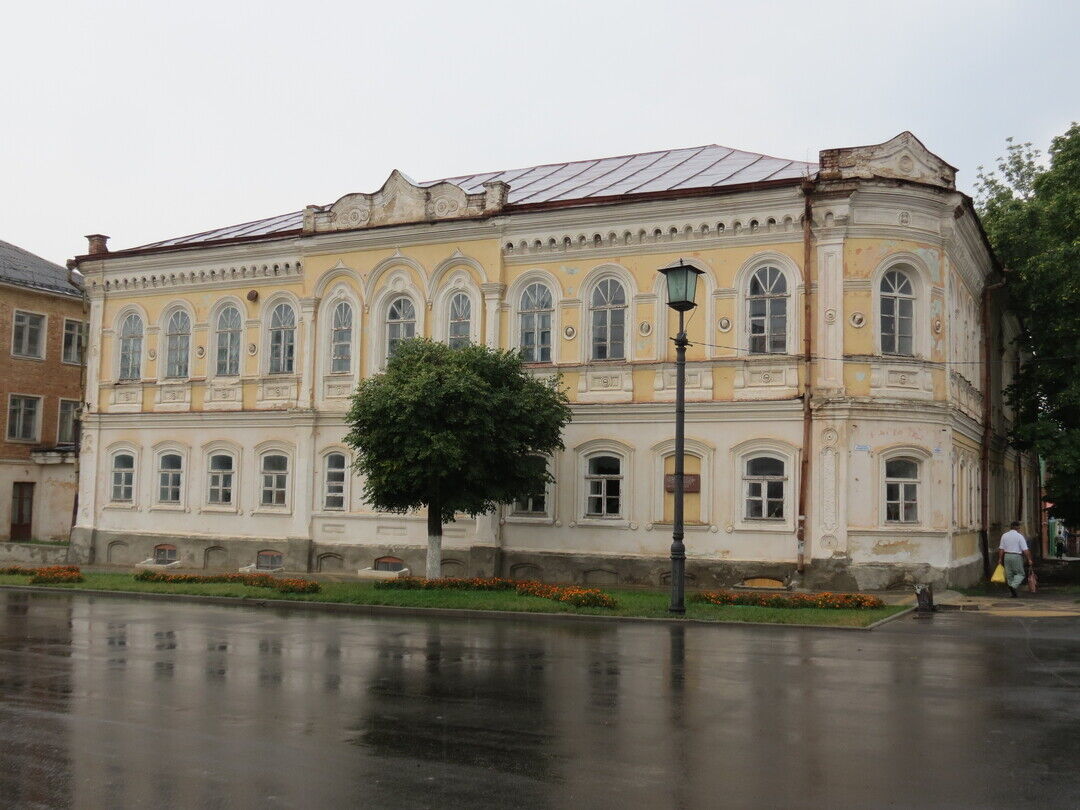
(988, 431)
(808, 331)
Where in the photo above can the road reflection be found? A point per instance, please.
(108, 702)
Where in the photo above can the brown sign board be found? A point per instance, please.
(691, 482)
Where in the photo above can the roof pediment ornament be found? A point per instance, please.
(901, 158)
(402, 201)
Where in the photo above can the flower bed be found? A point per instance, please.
(846, 601)
(293, 585)
(571, 595)
(45, 574)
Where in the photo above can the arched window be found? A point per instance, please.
(763, 488)
(282, 339)
(767, 302)
(170, 477)
(389, 564)
(269, 560)
(460, 321)
(165, 554)
(902, 490)
(275, 479)
(608, 307)
(123, 477)
(131, 332)
(535, 324)
(219, 489)
(229, 336)
(341, 339)
(400, 324)
(177, 345)
(897, 313)
(334, 482)
(604, 487)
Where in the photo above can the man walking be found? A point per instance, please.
(1013, 553)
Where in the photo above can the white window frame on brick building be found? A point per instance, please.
(74, 348)
(72, 406)
(29, 334)
(18, 406)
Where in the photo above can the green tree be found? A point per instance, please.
(1031, 214)
(455, 430)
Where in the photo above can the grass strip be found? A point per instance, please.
(635, 603)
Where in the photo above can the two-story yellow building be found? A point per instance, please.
(842, 334)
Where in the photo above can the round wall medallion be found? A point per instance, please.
(152, 354)
(907, 165)
(905, 218)
(724, 324)
(714, 529)
(200, 351)
(569, 333)
(858, 320)
(253, 295)
(252, 348)
(937, 326)
(830, 316)
(828, 437)
(633, 527)
(766, 377)
(645, 328)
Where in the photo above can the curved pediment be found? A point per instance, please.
(401, 201)
(901, 158)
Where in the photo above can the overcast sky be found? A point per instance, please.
(146, 120)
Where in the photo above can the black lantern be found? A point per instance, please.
(681, 285)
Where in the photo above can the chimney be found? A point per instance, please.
(98, 244)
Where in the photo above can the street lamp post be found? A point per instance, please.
(681, 287)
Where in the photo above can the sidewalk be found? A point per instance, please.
(1047, 603)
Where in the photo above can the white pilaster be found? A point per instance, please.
(830, 314)
(309, 308)
(493, 293)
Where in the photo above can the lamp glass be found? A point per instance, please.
(681, 286)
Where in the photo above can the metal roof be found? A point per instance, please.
(24, 269)
(585, 181)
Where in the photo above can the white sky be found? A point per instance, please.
(146, 120)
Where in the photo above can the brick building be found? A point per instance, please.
(42, 330)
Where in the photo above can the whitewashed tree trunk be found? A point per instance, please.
(433, 568)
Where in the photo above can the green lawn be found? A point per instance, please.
(631, 602)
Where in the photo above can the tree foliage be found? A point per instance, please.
(455, 430)
(1031, 214)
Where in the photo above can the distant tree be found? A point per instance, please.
(1032, 217)
(455, 430)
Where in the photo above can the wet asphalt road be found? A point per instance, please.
(120, 703)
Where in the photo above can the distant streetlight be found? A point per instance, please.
(682, 287)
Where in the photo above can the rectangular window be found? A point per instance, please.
(275, 479)
(221, 480)
(531, 505)
(74, 341)
(170, 472)
(334, 496)
(23, 415)
(65, 431)
(28, 337)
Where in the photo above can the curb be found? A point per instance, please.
(402, 610)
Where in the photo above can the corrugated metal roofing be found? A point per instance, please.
(23, 268)
(698, 167)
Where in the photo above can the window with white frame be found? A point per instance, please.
(28, 335)
(767, 311)
(74, 341)
(334, 481)
(534, 503)
(170, 477)
(534, 322)
(400, 324)
(282, 339)
(608, 308)
(603, 481)
(764, 481)
(23, 415)
(131, 335)
(219, 489)
(177, 345)
(460, 321)
(228, 336)
(897, 312)
(65, 428)
(901, 490)
(123, 477)
(275, 479)
(341, 330)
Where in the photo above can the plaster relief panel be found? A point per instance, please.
(616, 385)
(126, 399)
(699, 385)
(774, 379)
